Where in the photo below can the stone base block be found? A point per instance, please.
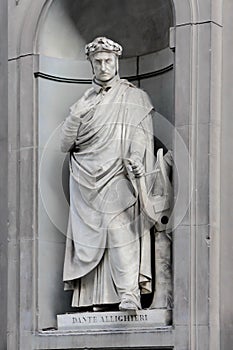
(114, 320)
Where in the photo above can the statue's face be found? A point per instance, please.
(104, 65)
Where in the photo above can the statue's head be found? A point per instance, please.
(103, 54)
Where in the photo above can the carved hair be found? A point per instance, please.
(102, 44)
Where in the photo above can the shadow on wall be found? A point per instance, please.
(72, 23)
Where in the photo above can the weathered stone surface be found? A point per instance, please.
(181, 251)
(183, 75)
(226, 187)
(3, 176)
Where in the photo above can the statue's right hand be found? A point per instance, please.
(137, 167)
(82, 107)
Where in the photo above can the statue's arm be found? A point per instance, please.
(137, 151)
(138, 144)
(69, 132)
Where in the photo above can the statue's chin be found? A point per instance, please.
(104, 79)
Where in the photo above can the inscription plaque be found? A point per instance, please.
(115, 320)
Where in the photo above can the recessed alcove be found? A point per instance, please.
(142, 28)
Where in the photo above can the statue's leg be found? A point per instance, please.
(97, 287)
(163, 272)
(124, 256)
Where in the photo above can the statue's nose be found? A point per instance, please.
(103, 66)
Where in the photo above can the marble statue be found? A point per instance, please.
(109, 135)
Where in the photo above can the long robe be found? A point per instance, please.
(104, 202)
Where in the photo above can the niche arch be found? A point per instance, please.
(184, 12)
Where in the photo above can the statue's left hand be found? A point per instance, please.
(137, 167)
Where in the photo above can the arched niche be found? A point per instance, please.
(43, 267)
(63, 75)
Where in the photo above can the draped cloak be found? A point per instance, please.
(101, 187)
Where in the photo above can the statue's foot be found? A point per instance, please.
(127, 305)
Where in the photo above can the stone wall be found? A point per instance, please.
(3, 174)
(226, 188)
(202, 238)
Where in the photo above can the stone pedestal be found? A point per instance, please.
(114, 320)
